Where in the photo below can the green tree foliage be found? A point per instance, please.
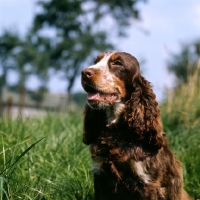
(21, 55)
(65, 36)
(78, 30)
(9, 46)
(184, 64)
(33, 60)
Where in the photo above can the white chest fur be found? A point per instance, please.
(140, 170)
(137, 167)
(114, 112)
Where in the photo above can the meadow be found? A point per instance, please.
(181, 120)
(45, 159)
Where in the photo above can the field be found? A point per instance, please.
(181, 120)
(44, 158)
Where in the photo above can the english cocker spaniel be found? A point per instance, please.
(122, 125)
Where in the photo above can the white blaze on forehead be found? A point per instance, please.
(102, 65)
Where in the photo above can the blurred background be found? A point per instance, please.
(44, 45)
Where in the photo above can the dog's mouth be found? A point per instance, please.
(97, 95)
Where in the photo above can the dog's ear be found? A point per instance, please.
(143, 115)
(93, 121)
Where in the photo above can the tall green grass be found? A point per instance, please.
(44, 158)
(181, 120)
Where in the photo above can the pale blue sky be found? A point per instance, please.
(169, 23)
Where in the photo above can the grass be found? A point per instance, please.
(45, 159)
(181, 120)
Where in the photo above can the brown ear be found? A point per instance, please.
(93, 121)
(143, 114)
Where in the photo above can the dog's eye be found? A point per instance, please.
(117, 62)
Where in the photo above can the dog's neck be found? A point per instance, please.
(113, 112)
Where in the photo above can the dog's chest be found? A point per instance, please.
(122, 170)
(115, 155)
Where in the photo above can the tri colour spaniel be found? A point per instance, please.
(122, 125)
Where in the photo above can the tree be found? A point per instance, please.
(33, 60)
(21, 55)
(184, 64)
(77, 30)
(9, 46)
(65, 35)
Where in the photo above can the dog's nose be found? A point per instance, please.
(88, 73)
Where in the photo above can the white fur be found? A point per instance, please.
(137, 167)
(103, 65)
(141, 171)
(114, 112)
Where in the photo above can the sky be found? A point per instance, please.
(164, 26)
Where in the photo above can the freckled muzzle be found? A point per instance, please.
(100, 92)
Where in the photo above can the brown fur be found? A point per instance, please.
(130, 154)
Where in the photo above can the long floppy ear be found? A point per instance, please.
(93, 122)
(143, 114)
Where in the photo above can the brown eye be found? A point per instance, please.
(117, 62)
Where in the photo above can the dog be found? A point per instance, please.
(122, 125)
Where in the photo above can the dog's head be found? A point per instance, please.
(110, 79)
(114, 82)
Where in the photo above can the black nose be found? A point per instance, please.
(87, 73)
